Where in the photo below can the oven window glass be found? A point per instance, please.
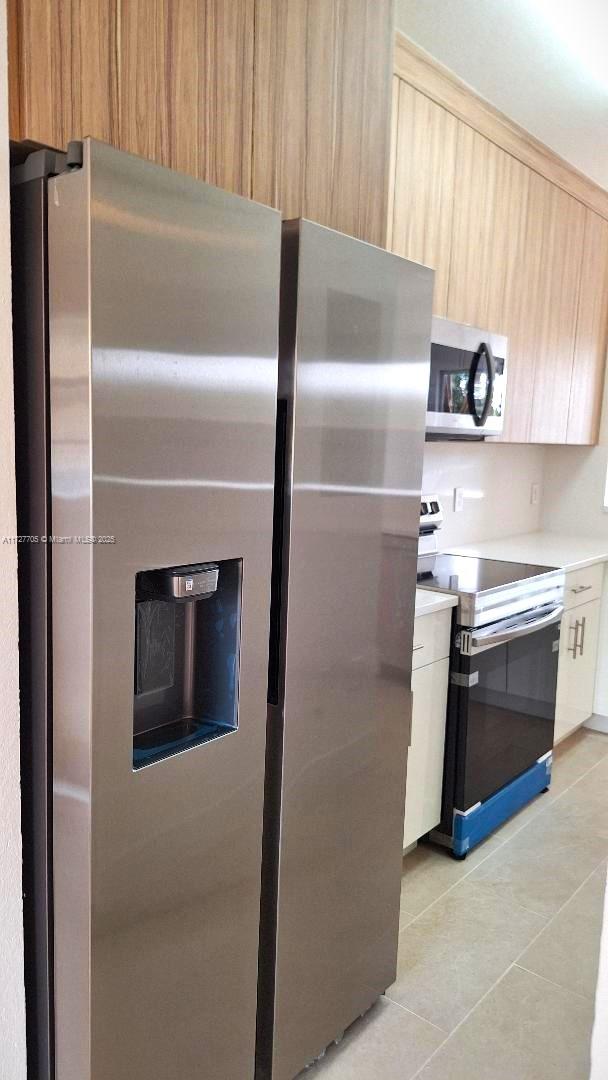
(507, 717)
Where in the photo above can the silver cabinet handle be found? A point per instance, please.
(581, 644)
(576, 589)
(416, 647)
(574, 647)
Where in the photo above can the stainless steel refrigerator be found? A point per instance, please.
(146, 323)
(353, 380)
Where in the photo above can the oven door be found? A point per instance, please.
(467, 381)
(503, 690)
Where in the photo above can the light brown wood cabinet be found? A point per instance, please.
(321, 148)
(591, 334)
(513, 252)
(422, 185)
(553, 327)
(280, 100)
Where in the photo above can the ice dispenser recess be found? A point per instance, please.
(186, 671)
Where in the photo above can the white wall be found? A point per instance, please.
(12, 1005)
(496, 479)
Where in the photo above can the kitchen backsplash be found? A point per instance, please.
(496, 479)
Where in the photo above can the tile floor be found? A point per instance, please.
(498, 954)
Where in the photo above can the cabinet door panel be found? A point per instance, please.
(554, 325)
(591, 334)
(576, 675)
(425, 757)
(424, 186)
(171, 80)
(492, 268)
(321, 111)
(490, 210)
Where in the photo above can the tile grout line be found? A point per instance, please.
(499, 847)
(404, 1008)
(558, 986)
(513, 964)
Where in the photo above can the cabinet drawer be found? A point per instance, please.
(431, 637)
(583, 585)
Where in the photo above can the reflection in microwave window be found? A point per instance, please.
(454, 389)
(454, 386)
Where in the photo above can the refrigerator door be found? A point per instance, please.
(163, 372)
(353, 375)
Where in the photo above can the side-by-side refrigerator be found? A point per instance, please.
(353, 381)
(146, 325)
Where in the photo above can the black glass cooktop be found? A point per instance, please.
(468, 574)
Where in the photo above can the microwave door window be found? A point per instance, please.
(454, 386)
(449, 380)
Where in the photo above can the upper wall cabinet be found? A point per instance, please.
(518, 240)
(321, 145)
(591, 334)
(422, 185)
(489, 220)
(171, 80)
(552, 325)
(284, 101)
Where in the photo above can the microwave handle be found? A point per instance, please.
(484, 350)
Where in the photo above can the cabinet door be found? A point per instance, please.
(425, 758)
(490, 209)
(591, 332)
(576, 672)
(553, 324)
(321, 111)
(423, 183)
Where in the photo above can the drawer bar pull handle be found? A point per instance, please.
(416, 647)
(576, 589)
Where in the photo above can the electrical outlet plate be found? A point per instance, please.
(458, 499)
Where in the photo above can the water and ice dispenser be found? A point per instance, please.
(187, 629)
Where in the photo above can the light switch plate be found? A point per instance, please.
(458, 499)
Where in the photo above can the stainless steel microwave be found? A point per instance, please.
(467, 383)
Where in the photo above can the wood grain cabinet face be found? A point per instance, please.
(322, 111)
(285, 101)
(591, 335)
(553, 325)
(490, 213)
(422, 185)
(171, 80)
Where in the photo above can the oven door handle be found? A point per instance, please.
(482, 641)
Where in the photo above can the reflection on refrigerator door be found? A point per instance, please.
(353, 372)
(153, 382)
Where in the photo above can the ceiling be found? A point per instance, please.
(544, 63)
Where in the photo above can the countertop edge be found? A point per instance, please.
(488, 549)
(436, 601)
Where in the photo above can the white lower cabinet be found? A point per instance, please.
(577, 666)
(426, 753)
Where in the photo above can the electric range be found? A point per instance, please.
(501, 699)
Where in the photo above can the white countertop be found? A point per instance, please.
(427, 601)
(542, 548)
